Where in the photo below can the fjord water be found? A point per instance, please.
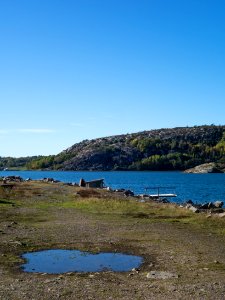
(58, 261)
(197, 187)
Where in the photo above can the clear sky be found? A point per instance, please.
(81, 69)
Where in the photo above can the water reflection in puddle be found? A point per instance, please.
(62, 261)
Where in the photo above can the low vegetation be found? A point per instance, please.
(16, 163)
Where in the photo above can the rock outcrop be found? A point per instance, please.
(205, 168)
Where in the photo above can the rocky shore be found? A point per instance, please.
(205, 168)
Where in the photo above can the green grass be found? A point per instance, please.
(4, 202)
(212, 224)
(10, 259)
(124, 207)
(147, 212)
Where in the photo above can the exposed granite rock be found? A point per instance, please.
(205, 168)
(192, 208)
(218, 204)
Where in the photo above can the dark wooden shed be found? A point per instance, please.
(97, 183)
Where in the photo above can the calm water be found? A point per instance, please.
(197, 187)
(62, 261)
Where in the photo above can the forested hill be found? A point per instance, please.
(163, 149)
(16, 163)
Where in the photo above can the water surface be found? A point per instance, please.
(61, 261)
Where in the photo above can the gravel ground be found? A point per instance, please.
(30, 221)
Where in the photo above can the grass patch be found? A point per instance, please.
(147, 212)
(6, 202)
(10, 259)
(102, 206)
(127, 208)
(200, 221)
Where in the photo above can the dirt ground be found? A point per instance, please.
(36, 216)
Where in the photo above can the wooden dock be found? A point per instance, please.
(162, 195)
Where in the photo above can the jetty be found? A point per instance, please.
(161, 195)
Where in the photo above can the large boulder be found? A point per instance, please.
(192, 208)
(218, 204)
(128, 193)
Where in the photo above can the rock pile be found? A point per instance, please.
(145, 197)
(52, 180)
(12, 179)
(216, 206)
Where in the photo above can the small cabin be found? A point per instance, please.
(97, 183)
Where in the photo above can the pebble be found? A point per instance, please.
(135, 270)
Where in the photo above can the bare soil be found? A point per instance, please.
(36, 216)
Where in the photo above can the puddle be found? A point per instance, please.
(62, 261)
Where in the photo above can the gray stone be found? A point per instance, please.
(218, 204)
(205, 206)
(194, 209)
(128, 193)
(190, 202)
(221, 215)
(161, 275)
(210, 205)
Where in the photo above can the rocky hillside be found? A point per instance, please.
(163, 149)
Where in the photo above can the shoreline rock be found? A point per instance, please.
(204, 169)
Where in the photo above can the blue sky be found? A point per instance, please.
(81, 69)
